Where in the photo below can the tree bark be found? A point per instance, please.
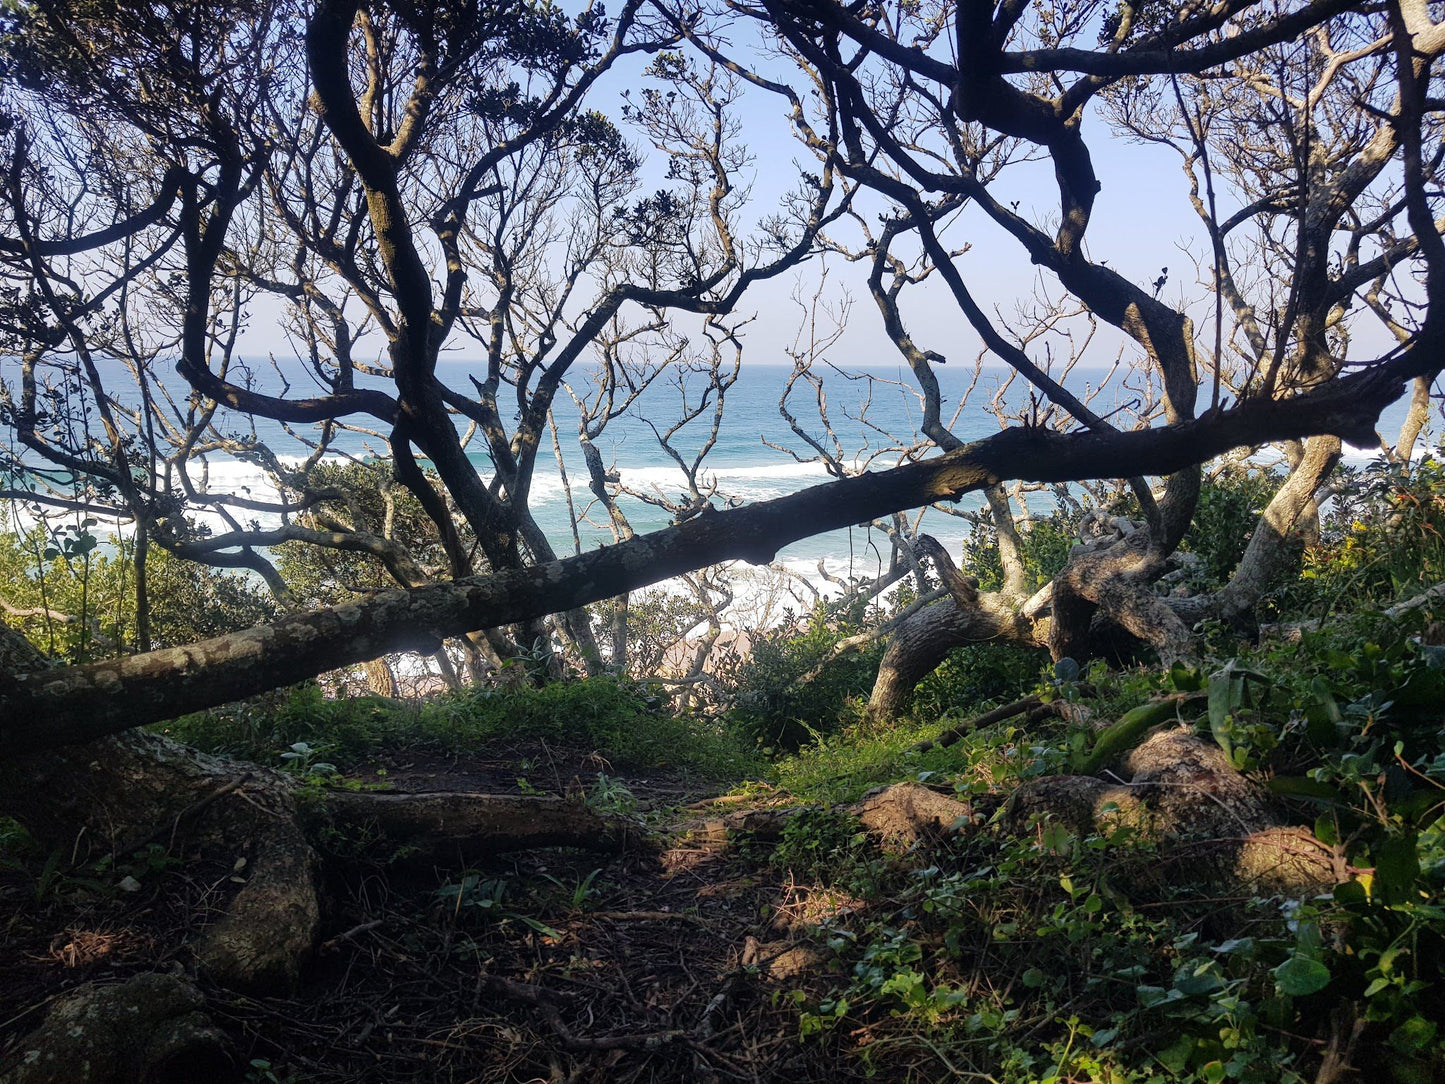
(924, 640)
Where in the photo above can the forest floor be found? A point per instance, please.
(673, 961)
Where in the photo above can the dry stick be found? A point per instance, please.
(988, 718)
(355, 931)
(543, 1001)
(997, 715)
(646, 916)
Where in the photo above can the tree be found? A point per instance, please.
(431, 137)
(1308, 144)
(428, 178)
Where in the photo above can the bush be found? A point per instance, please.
(1229, 507)
(779, 703)
(1044, 548)
(71, 572)
(974, 675)
(1383, 538)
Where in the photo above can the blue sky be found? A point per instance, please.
(1140, 219)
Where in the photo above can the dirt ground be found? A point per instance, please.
(671, 962)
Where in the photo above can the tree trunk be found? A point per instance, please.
(1291, 510)
(1415, 419)
(926, 638)
(379, 678)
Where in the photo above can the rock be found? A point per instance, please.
(152, 1029)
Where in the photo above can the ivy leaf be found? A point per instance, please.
(1397, 864)
(1300, 976)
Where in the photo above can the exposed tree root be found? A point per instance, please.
(1207, 824)
(457, 829)
(152, 1029)
(124, 792)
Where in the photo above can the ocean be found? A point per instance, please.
(874, 417)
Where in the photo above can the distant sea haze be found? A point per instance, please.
(873, 417)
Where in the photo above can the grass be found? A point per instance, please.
(615, 719)
(843, 767)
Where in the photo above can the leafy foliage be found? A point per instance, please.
(82, 595)
(1229, 506)
(1384, 538)
(1022, 957)
(792, 688)
(616, 719)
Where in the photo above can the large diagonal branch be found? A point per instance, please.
(75, 704)
(1168, 51)
(170, 188)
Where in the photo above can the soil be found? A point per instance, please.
(667, 963)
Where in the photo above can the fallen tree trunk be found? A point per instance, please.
(1109, 587)
(81, 703)
(457, 829)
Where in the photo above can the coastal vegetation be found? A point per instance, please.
(326, 755)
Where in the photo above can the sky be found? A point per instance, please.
(1140, 222)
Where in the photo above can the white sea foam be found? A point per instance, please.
(803, 473)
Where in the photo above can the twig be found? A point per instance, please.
(355, 931)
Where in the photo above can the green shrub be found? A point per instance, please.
(788, 691)
(1044, 548)
(1383, 538)
(1229, 507)
(72, 572)
(616, 719)
(973, 676)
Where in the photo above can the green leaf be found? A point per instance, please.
(1238, 944)
(1397, 864)
(1350, 892)
(1321, 690)
(1185, 679)
(1376, 986)
(1226, 691)
(1300, 976)
(1299, 786)
(1131, 727)
(1413, 1035)
(1196, 982)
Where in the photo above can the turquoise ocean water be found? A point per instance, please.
(874, 418)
